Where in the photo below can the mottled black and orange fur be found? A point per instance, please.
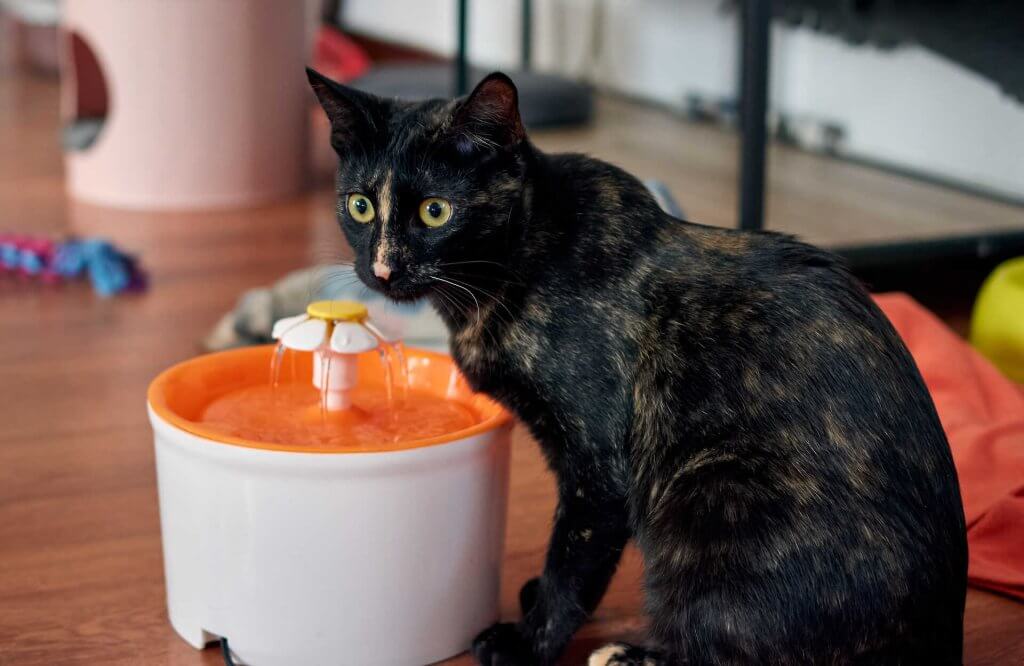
(733, 402)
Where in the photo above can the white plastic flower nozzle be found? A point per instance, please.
(335, 331)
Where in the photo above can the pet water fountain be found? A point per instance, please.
(335, 498)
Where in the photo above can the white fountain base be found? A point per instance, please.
(390, 558)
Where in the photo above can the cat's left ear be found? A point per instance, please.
(489, 117)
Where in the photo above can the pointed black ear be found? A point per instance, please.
(489, 116)
(354, 115)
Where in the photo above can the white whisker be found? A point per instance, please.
(478, 314)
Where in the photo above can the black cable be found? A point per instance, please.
(462, 49)
(526, 35)
(330, 13)
(755, 39)
(226, 651)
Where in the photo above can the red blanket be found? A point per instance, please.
(983, 415)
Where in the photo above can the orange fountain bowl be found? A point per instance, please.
(181, 394)
(297, 552)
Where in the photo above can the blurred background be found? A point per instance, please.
(164, 167)
(890, 131)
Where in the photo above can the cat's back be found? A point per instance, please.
(785, 337)
(778, 428)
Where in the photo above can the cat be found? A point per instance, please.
(733, 402)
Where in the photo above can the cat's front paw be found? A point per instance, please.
(502, 645)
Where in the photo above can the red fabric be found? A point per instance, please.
(338, 57)
(983, 415)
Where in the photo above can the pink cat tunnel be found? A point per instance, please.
(186, 104)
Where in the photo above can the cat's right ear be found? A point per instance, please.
(355, 116)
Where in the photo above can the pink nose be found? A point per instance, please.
(381, 270)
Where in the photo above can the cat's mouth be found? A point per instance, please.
(401, 290)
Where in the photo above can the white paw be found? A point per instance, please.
(607, 655)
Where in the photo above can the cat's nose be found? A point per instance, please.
(382, 270)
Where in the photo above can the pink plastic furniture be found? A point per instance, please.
(200, 104)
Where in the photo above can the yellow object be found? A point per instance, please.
(337, 311)
(997, 324)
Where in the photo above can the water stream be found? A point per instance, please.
(275, 364)
(287, 408)
(392, 358)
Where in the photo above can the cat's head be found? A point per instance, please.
(426, 191)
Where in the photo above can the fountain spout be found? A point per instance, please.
(336, 332)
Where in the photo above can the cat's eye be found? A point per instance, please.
(434, 212)
(360, 208)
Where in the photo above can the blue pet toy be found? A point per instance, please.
(109, 270)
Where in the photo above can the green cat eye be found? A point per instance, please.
(434, 212)
(360, 208)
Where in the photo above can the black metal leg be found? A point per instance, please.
(330, 13)
(461, 62)
(755, 50)
(527, 35)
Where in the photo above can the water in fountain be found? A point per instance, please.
(291, 411)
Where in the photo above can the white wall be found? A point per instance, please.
(908, 107)
(652, 48)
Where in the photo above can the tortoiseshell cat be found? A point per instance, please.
(733, 402)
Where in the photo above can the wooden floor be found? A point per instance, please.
(80, 563)
(825, 201)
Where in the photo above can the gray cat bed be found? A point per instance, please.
(545, 100)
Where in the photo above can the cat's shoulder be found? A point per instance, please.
(584, 168)
(769, 251)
